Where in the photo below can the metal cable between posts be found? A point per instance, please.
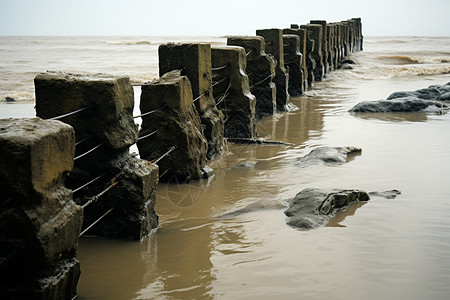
(198, 97)
(164, 155)
(246, 54)
(96, 221)
(259, 82)
(87, 152)
(88, 183)
(151, 133)
(71, 113)
(225, 94)
(149, 112)
(113, 183)
(220, 68)
(220, 81)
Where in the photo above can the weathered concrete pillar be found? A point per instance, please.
(195, 61)
(352, 37)
(324, 43)
(302, 34)
(331, 28)
(175, 123)
(104, 132)
(359, 35)
(293, 63)
(345, 36)
(39, 222)
(260, 71)
(315, 33)
(233, 94)
(274, 46)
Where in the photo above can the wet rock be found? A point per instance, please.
(110, 98)
(175, 123)
(445, 97)
(328, 155)
(274, 46)
(391, 194)
(39, 222)
(255, 206)
(245, 165)
(233, 94)
(9, 99)
(195, 61)
(400, 105)
(345, 67)
(260, 70)
(312, 208)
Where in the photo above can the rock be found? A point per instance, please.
(445, 97)
(391, 194)
(328, 155)
(348, 61)
(345, 67)
(312, 208)
(245, 164)
(255, 206)
(9, 99)
(400, 105)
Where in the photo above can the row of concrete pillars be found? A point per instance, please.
(59, 179)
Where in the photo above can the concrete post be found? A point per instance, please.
(107, 126)
(39, 222)
(293, 63)
(331, 46)
(233, 94)
(176, 123)
(325, 50)
(195, 61)
(260, 71)
(274, 46)
(315, 33)
(302, 34)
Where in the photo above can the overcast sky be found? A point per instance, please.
(216, 18)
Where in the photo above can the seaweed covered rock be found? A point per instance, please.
(400, 105)
(312, 207)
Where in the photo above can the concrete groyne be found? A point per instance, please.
(74, 175)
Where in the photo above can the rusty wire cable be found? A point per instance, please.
(71, 113)
(164, 155)
(113, 183)
(198, 97)
(246, 54)
(220, 81)
(225, 94)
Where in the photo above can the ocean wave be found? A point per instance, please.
(406, 59)
(17, 96)
(128, 43)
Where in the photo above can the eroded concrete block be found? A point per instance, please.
(233, 94)
(293, 62)
(39, 222)
(315, 34)
(324, 43)
(177, 124)
(302, 35)
(110, 97)
(260, 70)
(274, 46)
(195, 61)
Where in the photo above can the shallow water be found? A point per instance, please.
(387, 248)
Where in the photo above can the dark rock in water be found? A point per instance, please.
(386, 194)
(348, 61)
(207, 172)
(445, 97)
(245, 164)
(433, 92)
(9, 99)
(397, 105)
(255, 206)
(346, 67)
(312, 208)
(328, 155)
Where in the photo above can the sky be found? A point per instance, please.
(217, 18)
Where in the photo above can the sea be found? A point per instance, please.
(205, 248)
